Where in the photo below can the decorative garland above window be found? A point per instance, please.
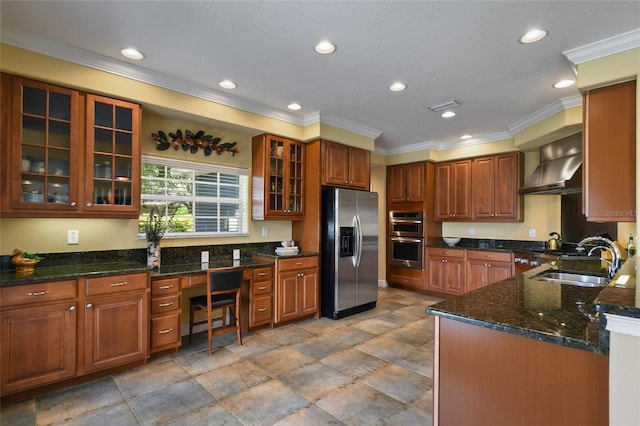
(192, 142)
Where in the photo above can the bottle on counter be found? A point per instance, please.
(631, 247)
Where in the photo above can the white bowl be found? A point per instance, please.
(451, 241)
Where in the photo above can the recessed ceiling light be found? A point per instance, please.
(466, 137)
(325, 48)
(533, 36)
(132, 53)
(228, 84)
(448, 114)
(294, 106)
(397, 87)
(564, 83)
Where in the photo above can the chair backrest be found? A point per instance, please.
(225, 279)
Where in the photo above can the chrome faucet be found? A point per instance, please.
(608, 262)
(616, 256)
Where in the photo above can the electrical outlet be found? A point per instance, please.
(472, 231)
(236, 254)
(73, 236)
(532, 233)
(265, 231)
(204, 256)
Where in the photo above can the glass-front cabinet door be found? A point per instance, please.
(44, 166)
(113, 155)
(285, 177)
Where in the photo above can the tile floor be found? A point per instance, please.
(373, 368)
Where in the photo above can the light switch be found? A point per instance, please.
(73, 236)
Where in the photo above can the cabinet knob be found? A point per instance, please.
(72, 308)
(73, 204)
(89, 204)
(89, 305)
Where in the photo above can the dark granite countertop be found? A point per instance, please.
(195, 268)
(277, 256)
(69, 272)
(527, 307)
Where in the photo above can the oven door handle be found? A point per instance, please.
(407, 240)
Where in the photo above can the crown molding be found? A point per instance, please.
(602, 48)
(332, 120)
(546, 112)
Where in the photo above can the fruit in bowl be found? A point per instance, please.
(451, 241)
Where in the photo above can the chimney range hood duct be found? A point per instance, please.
(559, 171)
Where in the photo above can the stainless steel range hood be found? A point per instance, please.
(559, 171)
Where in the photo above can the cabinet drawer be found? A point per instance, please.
(261, 274)
(165, 286)
(165, 330)
(116, 283)
(165, 304)
(445, 252)
(489, 255)
(34, 293)
(297, 263)
(261, 310)
(405, 280)
(262, 287)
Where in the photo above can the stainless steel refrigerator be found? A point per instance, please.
(349, 251)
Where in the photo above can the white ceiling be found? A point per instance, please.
(466, 50)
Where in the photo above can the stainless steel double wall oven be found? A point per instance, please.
(406, 239)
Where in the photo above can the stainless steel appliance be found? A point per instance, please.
(406, 252)
(406, 224)
(349, 251)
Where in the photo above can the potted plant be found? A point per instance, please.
(154, 228)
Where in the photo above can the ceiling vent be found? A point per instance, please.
(451, 103)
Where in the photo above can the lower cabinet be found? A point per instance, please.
(39, 336)
(165, 330)
(62, 330)
(487, 267)
(297, 288)
(446, 270)
(261, 297)
(405, 277)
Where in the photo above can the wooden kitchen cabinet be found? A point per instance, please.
(487, 267)
(116, 321)
(405, 183)
(411, 279)
(261, 297)
(453, 191)
(345, 166)
(68, 153)
(297, 288)
(496, 180)
(166, 310)
(278, 178)
(609, 163)
(446, 270)
(39, 334)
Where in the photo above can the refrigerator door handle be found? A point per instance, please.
(358, 249)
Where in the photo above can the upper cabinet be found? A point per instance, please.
(277, 178)
(496, 181)
(609, 164)
(345, 166)
(405, 183)
(56, 164)
(453, 191)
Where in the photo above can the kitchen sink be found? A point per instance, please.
(573, 278)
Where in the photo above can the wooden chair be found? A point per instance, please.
(223, 292)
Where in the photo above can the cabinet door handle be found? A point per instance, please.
(262, 309)
(165, 287)
(262, 287)
(262, 274)
(119, 284)
(169, 330)
(38, 293)
(89, 305)
(164, 305)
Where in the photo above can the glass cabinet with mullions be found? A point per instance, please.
(112, 152)
(45, 137)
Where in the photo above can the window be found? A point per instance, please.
(201, 199)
